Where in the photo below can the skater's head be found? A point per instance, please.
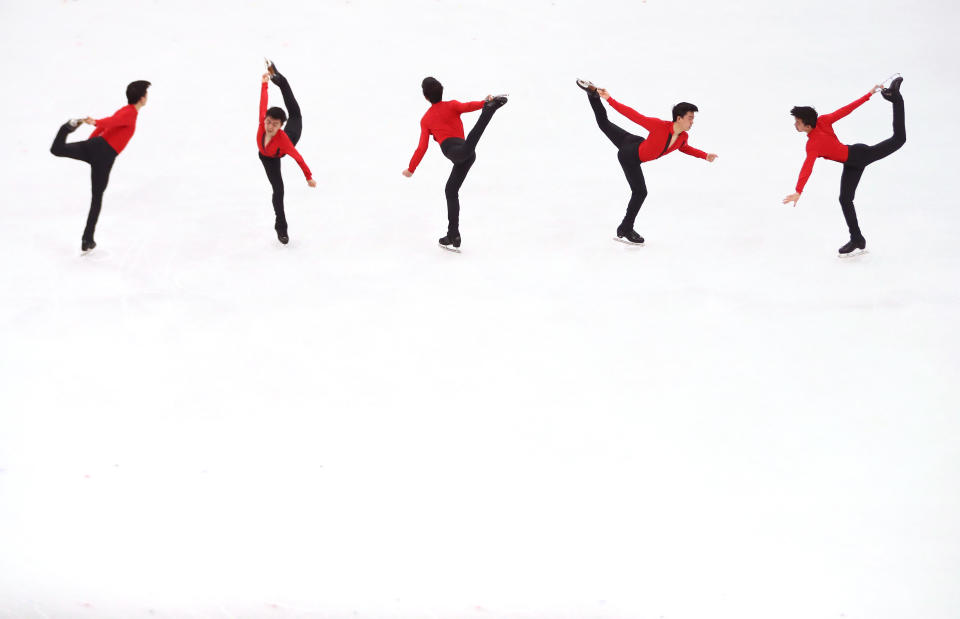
(805, 118)
(432, 89)
(137, 92)
(683, 115)
(274, 120)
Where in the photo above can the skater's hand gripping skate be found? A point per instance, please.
(604, 94)
(407, 173)
(876, 88)
(793, 197)
(90, 121)
(312, 183)
(711, 157)
(266, 77)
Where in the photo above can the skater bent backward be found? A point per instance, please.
(442, 121)
(274, 142)
(101, 149)
(632, 150)
(823, 142)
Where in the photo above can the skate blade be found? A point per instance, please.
(853, 254)
(95, 254)
(626, 242)
(449, 248)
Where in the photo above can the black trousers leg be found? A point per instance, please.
(848, 190)
(452, 192)
(868, 154)
(99, 177)
(74, 150)
(294, 125)
(630, 162)
(474, 136)
(271, 165)
(616, 135)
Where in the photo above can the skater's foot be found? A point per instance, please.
(855, 247)
(451, 242)
(282, 233)
(73, 123)
(589, 87)
(629, 236)
(275, 75)
(892, 91)
(495, 103)
(86, 245)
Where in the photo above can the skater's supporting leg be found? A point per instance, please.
(630, 162)
(617, 135)
(294, 126)
(99, 177)
(848, 189)
(74, 150)
(452, 191)
(271, 166)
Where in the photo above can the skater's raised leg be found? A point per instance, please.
(616, 135)
(294, 125)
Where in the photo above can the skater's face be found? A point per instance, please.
(685, 121)
(271, 125)
(801, 126)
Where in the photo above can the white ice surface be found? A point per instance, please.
(727, 423)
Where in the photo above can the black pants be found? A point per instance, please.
(860, 156)
(271, 165)
(628, 146)
(463, 153)
(100, 156)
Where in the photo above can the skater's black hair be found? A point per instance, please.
(805, 113)
(432, 89)
(680, 110)
(136, 90)
(277, 113)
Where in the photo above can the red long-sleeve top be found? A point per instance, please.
(442, 121)
(280, 144)
(661, 132)
(823, 142)
(117, 129)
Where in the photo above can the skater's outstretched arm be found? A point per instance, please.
(419, 153)
(286, 147)
(805, 172)
(263, 96)
(845, 110)
(469, 106)
(644, 121)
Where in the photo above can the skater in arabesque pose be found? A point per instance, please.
(665, 137)
(274, 142)
(823, 142)
(101, 149)
(442, 121)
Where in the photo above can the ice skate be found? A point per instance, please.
(73, 123)
(282, 234)
(451, 242)
(855, 247)
(629, 237)
(496, 102)
(893, 90)
(587, 85)
(87, 245)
